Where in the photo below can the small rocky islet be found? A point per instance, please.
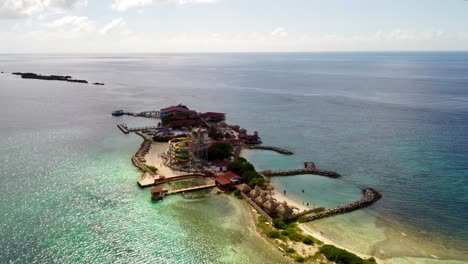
(30, 75)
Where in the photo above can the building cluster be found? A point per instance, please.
(181, 117)
(269, 204)
(229, 181)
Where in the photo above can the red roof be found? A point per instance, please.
(254, 137)
(174, 109)
(213, 114)
(225, 179)
(179, 117)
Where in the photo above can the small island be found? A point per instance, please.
(202, 147)
(30, 75)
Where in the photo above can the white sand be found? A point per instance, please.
(154, 158)
(280, 197)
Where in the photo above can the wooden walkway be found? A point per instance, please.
(194, 188)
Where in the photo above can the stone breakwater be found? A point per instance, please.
(275, 149)
(309, 168)
(139, 158)
(370, 196)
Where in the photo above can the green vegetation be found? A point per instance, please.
(237, 194)
(341, 256)
(166, 120)
(151, 168)
(273, 234)
(219, 152)
(213, 133)
(247, 171)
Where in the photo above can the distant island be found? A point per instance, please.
(29, 75)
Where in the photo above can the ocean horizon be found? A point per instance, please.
(393, 121)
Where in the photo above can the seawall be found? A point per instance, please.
(370, 196)
(275, 149)
(309, 168)
(138, 159)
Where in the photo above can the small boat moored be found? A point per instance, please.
(118, 113)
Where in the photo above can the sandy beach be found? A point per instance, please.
(280, 197)
(277, 194)
(154, 158)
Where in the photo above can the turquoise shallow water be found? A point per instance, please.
(393, 121)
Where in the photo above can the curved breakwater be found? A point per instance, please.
(370, 196)
(139, 158)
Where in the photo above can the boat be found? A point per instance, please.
(118, 113)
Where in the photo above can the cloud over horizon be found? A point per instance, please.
(124, 5)
(14, 9)
(224, 26)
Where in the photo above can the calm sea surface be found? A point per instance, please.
(397, 122)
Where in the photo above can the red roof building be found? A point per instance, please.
(227, 180)
(174, 109)
(213, 116)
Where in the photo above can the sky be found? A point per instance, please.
(125, 26)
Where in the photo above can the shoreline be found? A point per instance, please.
(153, 157)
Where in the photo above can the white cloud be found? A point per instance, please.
(113, 26)
(72, 23)
(65, 4)
(25, 8)
(124, 5)
(279, 32)
(19, 8)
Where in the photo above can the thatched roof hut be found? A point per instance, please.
(255, 192)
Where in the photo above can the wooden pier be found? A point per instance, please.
(193, 188)
(123, 128)
(147, 114)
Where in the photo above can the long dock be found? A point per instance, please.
(194, 188)
(147, 114)
(180, 177)
(125, 129)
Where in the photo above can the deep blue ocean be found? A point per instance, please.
(396, 122)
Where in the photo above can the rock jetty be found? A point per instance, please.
(309, 168)
(275, 149)
(139, 158)
(370, 196)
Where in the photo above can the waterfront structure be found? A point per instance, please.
(227, 180)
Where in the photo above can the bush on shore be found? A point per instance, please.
(151, 168)
(341, 256)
